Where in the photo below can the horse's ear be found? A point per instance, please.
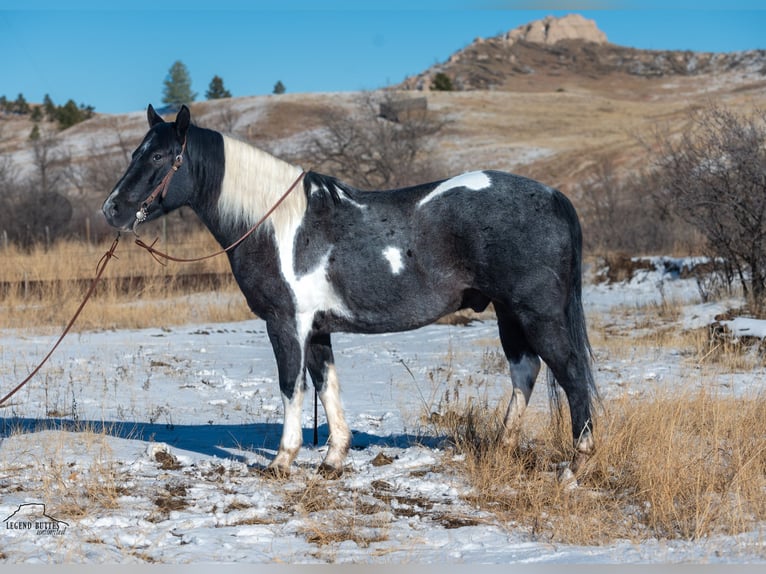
(183, 118)
(153, 117)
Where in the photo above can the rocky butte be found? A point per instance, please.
(572, 44)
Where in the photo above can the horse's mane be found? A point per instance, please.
(314, 182)
(253, 182)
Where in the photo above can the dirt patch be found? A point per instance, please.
(167, 461)
(621, 267)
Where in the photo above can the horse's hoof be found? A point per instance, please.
(275, 472)
(580, 458)
(330, 472)
(566, 478)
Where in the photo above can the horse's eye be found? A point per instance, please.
(157, 157)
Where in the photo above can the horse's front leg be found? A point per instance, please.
(289, 352)
(321, 365)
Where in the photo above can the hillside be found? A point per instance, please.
(547, 100)
(556, 53)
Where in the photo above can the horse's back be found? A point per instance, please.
(510, 213)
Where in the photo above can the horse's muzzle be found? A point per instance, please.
(117, 216)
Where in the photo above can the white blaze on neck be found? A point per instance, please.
(473, 180)
(394, 257)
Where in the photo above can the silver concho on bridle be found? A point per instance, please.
(140, 218)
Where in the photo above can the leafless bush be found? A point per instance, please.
(713, 176)
(31, 209)
(372, 152)
(621, 215)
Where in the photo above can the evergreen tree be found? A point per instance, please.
(442, 83)
(49, 107)
(70, 114)
(215, 90)
(279, 87)
(20, 106)
(34, 135)
(178, 85)
(3, 104)
(37, 114)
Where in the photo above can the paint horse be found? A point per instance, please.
(334, 258)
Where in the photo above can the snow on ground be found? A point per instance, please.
(151, 442)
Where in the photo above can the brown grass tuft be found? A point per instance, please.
(683, 465)
(74, 490)
(333, 517)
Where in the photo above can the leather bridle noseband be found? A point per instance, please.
(160, 190)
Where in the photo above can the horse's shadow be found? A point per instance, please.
(213, 440)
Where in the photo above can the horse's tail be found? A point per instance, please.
(575, 314)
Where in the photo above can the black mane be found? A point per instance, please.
(327, 185)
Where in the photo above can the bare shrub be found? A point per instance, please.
(372, 152)
(713, 176)
(33, 210)
(620, 213)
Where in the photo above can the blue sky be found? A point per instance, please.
(116, 58)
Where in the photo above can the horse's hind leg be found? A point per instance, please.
(570, 366)
(525, 366)
(321, 365)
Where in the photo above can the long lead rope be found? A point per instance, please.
(100, 267)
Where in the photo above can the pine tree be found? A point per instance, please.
(70, 114)
(20, 106)
(442, 83)
(178, 85)
(49, 107)
(215, 90)
(279, 87)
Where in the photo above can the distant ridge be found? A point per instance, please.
(571, 44)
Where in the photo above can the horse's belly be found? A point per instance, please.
(390, 310)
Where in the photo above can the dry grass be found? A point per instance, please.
(333, 516)
(683, 465)
(44, 287)
(655, 326)
(73, 489)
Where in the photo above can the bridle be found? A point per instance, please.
(160, 190)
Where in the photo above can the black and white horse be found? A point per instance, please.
(333, 258)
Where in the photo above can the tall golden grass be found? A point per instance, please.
(680, 464)
(44, 287)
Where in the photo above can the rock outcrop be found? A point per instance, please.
(551, 30)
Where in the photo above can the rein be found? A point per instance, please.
(159, 255)
(100, 267)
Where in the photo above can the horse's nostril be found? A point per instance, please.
(110, 209)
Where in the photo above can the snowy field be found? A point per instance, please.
(145, 446)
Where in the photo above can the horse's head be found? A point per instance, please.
(146, 190)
